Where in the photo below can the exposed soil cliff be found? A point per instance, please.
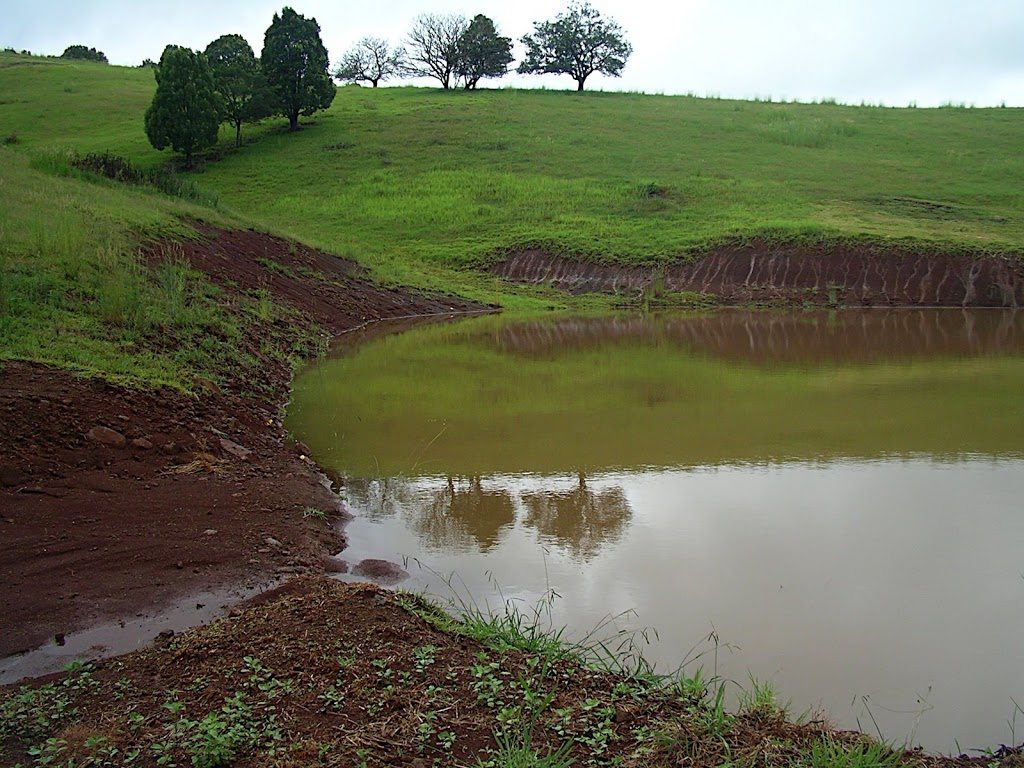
(796, 274)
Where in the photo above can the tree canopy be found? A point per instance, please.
(481, 52)
(295, 66)
(244, 95)
(370, 60)
(84, 53)
(578, 43)
(434, 46)
(184, 113)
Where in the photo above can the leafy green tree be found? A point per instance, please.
(482, 52)
(185, 113)
(84, 54)
(370, 61)
(577, 43)
(244, 95)
(295, 65)
(434, 46)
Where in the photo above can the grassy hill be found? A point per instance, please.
(408, 176)
(419, 184)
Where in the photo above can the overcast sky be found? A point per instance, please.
(893, 52)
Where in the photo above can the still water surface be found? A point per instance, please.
(838, 498)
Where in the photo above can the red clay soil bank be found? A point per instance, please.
(114, 501)
(796, 274)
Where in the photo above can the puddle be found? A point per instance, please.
(123, 636)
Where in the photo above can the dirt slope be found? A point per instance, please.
(796, 274)
(176, 494)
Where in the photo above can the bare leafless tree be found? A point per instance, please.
(434, 46)
(371, 60)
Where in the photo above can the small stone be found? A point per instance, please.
(210, 532)
(10, 477)
(170, 448)
(179, 565)
(381, 571)
(334, 564)
(236, 450)
(273, 542)
(106, 436)
(142, 444)
(205, 385)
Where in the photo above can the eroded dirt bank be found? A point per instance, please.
(795, 274)
(115, 501)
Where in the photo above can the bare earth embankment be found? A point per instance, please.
(759, 272)
(115, 501)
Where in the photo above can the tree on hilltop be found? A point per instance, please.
(295, 65)
(238, 80)
(184, 113)
(434, 46)
(481, 52)
(371, 60)
(578, 43)
(84, 54)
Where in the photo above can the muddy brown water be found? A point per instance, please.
(832, 502)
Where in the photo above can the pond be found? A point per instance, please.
(827, 501)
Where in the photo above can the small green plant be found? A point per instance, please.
(760, 700)
(263, 306)
(333, 697)
(315, 514)
(275, 267)
(516, 750)
(828, 752)
(424, 657)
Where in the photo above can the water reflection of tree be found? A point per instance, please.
(580, 519)
(462, 510)
(380, 497)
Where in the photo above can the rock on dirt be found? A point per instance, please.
(381, 571)
(107, 436)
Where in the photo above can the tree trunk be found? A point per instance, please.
(579, 85)
(374, 83)
(293, 120)
(238, 133)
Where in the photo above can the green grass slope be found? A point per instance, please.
(75, 292)
(456, 177)
(413, 182)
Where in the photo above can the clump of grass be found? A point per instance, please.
(815, 133)
(829, 752)
(516, 750)
(315, 514)
(165, 179)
